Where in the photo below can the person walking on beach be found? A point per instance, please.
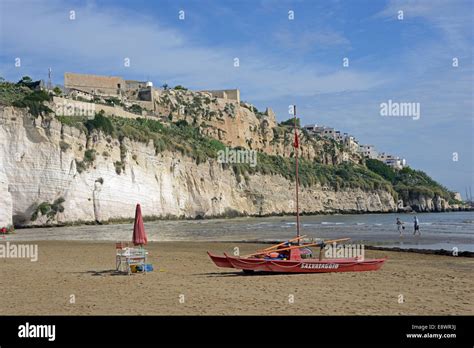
(416, 226)
(400, 226)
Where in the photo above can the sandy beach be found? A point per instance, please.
(429, 284)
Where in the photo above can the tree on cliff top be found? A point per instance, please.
(57, 90)
(25, 79)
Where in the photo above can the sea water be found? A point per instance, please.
(438, 230)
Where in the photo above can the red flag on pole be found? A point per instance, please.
(296, 142)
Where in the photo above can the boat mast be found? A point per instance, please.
(296, 145)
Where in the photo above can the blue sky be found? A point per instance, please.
(282, 62)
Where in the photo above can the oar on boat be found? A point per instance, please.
(306, 245)
(269, 249)
(282, 243)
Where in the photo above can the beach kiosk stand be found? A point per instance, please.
(134, 259)
(129, 259)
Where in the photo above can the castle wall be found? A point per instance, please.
(229, 94)
(233, 94)
(145, 95)
(108, 85)
(132, 84)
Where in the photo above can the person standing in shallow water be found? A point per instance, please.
(400, 226)
(416, 226)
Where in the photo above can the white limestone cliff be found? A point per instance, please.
(5, 202)
(36, 167)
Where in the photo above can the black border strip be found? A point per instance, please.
(284, 331)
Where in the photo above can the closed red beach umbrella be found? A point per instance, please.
(139, 234)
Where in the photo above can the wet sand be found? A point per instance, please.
(429, 284)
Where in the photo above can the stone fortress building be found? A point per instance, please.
(142, 93)
(95, 84)
(88, 86)
(103, 85)
(229, 94)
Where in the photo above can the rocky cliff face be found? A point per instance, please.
(426, 204)
(6, 204)
(241, 124)
(42, 163)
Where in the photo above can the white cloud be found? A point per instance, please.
(97, 41)
(453, 19)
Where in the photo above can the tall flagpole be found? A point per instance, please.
(296, 145)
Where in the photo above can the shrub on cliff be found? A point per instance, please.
(100, 122)
(50, 210)
(136, 109)
(291, 122)
(385, 171)
(133, 133)
(34, 101)
(152, 125)
(57, 91)
(80, 166)
(11, 92)
(160, 146)
(182, 124)
(112, 101)
(89, 156)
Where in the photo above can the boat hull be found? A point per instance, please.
(299, 266)
(220, 261)
(325, 266)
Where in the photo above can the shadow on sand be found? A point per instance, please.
(109, 272)
(241, 274)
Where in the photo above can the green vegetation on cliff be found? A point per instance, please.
(186, 139)
(11, 92)
(23, 96)
(291, 122)
(409, 183)
(179, 136)
(338, 177)
(50, 210)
